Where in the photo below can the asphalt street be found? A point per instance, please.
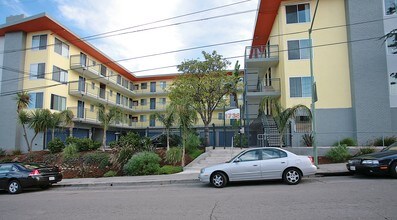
(347, 197)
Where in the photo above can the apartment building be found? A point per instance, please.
(354, 70)
(60, 72)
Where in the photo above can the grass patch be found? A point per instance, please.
(168, 169)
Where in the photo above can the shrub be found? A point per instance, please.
(5, 160)
(365, 150)
(56, 146)
(167, 169)
(144, 163)
(2, 152)
(338, 154)
(174, 155)
(86, 144)
(307, 139)
(386, 141)
(71, 140)
(347, 142)
(110, 173)
(161, 141)
(70, 152)
(192, 142)
(16, 152)
(97, 158)
(236, 140)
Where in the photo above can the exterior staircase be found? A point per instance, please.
(211, 157)
(272, 136)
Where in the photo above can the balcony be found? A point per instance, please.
(150, 107)
(152, 91)
(92, 70)
(269, 87)
(261, 57)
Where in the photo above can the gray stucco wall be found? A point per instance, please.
(394, 120)
(9, 129)
(368, 69)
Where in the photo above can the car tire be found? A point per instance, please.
(14, 187)
(393, 170)
(218, 180)
(292, 176)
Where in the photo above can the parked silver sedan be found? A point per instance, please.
(260, 164)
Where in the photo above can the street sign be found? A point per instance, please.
(232, 114)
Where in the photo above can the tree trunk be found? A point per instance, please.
(104, 140)
(168, 140)
(53, 134)
(281, 140)
(70, 131)
(183, 149)
(31, 142)
(26, 137)
(207, 135)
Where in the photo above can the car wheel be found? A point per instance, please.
(218, 180)
(14, 187)
(393, 170)
(292, 176)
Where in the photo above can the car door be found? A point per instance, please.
(246, 167)
(273, 163)
(4, 175)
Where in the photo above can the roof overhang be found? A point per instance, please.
(265, 18)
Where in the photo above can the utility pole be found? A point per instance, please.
(313, 83)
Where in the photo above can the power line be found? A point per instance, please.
(97, 36)
(279, 51)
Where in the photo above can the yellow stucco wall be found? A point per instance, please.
(331, 62)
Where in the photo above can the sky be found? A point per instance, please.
(92, 17)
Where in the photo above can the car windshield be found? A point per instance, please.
(32, 166)
(229, 161)
(391, 147)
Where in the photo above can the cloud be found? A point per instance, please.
(98, 16)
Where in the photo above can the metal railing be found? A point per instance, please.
(261, 52)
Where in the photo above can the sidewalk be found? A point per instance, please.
(338, 169)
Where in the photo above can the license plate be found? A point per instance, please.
(352, 168)
(51, 178)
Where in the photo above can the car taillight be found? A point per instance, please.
(311, 159)
(34, 172)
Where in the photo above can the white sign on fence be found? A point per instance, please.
(232, 114)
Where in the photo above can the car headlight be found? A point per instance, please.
(350, 161)
(373, 162)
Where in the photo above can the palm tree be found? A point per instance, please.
(282, 116)
(235, 84)
(168, 120)
(186, 117)
(23, 101)
(40, 120)
(67, 119)
(107, 117)
(56, 120)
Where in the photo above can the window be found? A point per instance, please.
(300, 87)
(163, 101)
(61, 48)
(93, 85)
(142, 118)
(298, 13)
(125, 83)
(39, 42)
(143, 85)
(110, 92)
(92, 108)
(163, 84)
(135, 103)
(37, 71)
(220, 116)
(152, 103)
(59, 74)
(152, 86)
(272, 154)
(118, 98)
(131, 86)
(303, 124)
(152, 122)
(36, 100)
(392, 44)
(298, 49)
(143, 102)
(136, 87)
(250, 156)
(119, 79)
(58, 102)
(390, 7)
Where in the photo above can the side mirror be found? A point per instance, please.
(237, 160)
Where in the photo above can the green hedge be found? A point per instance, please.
(144, 163)
(56, 146)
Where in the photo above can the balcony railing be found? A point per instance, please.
(158, 89)
(268, 86)
(261, 52)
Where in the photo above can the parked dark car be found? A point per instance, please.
(382, 163)
(14, 177)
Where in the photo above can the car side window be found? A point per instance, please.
(5, 168)
(250, 156)
(272, 154)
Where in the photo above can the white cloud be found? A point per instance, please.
(99, 16)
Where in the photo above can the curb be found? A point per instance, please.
(116, 184)
(340, 173)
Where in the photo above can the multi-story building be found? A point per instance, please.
(60, 71)
(354, 69)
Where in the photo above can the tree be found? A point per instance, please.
(235, 85)
(56, 120)
(186, 116)
(393, 36)
(23, 101)
(282, 116)
(67, 120)
(203, 84)
(40, 120)
(167, 119)
(107, 117)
